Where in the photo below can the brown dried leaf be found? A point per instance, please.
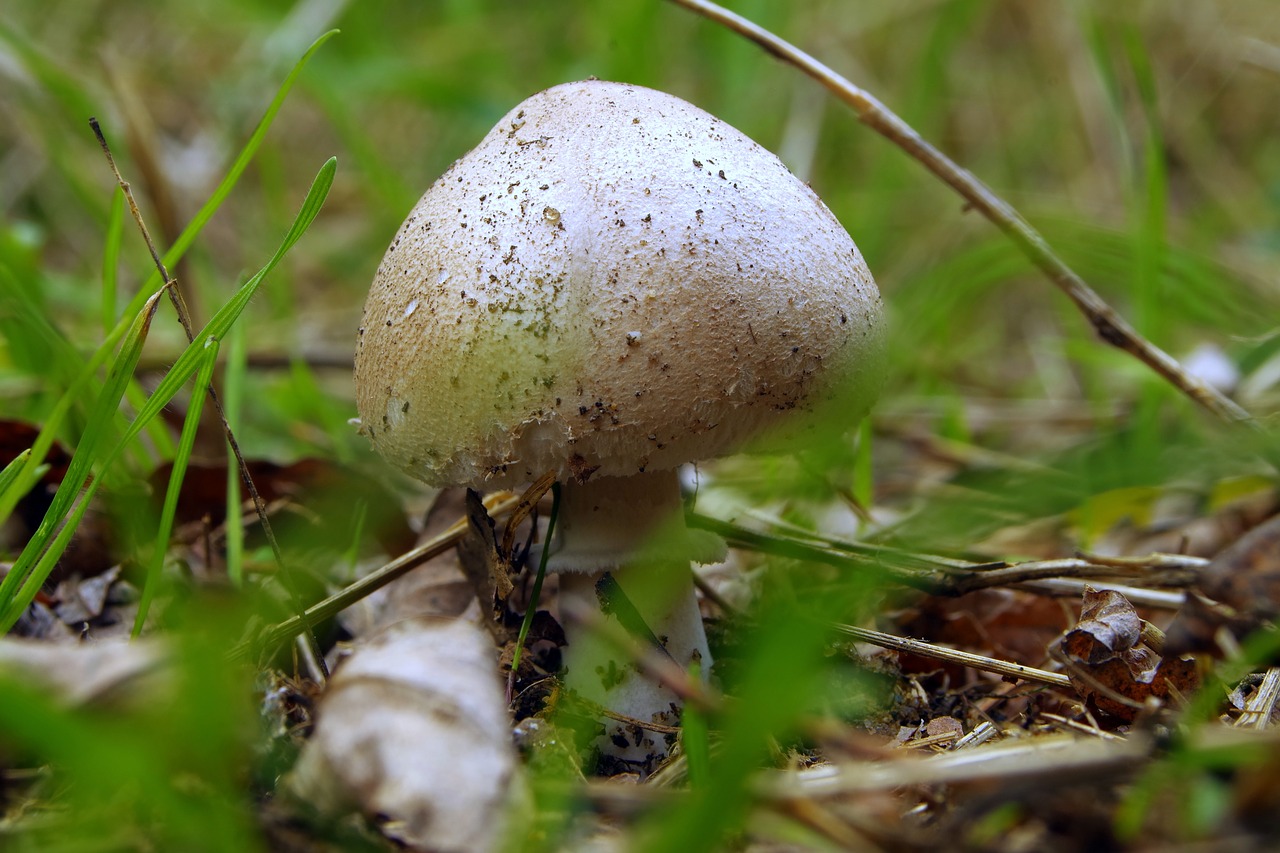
(1108, 626)
(1001, 623)
(17, 436)
(1132, 677)
(1195, 629)
(944, 725)
(93, 546)
(528, 503)
(1109, 667)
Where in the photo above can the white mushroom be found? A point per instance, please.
(611, 284)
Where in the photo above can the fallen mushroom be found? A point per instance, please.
(611, 284)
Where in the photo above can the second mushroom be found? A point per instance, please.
(614, 283)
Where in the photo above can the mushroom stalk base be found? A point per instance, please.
(641, 515)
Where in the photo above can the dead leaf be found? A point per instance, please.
(944, 725)
(88, 673)
(81, 601)
(1246, 575)
(1108, 625)
(528, 503)
(1109, 666)
(17, 436)
(93, 547)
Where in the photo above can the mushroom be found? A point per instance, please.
(611, 284)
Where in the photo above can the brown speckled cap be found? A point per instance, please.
(612, 281)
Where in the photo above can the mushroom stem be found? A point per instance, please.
(632, 528)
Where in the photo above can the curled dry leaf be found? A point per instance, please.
(1109, 666)
(81, 601)
(413, 729)
(1108, 626)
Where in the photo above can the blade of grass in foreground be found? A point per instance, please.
(104, 410)
(111, 260)
(219, 195)
(232, 397)
(9, 496)
(42, 551)
(199, 392)
(10, 473)
(202, 217)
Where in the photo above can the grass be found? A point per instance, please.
(1136, 137)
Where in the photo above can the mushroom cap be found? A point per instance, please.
(612, 281)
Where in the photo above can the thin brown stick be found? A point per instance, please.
(980, 662)
(270, 637)
(1108, 324)
(311, 653)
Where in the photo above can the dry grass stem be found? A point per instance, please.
(943, 739)
(981, 733)
(1110, 326)
(980, 662)
(497, 505)
(1158, 599)
(1053, 760)
(944, 575)
(1077, 726)
(1258, 710)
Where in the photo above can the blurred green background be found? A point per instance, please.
(1142, 139)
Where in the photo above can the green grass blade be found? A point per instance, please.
(9, 475)
(695, 739)
(111, 260)
(228, 183)
(23, 575)
(209, 359)
(104, 411)
(202, 217)
(26, 478)
(35, 578)
(536, 592)
(863, 474)
(218, 327)
(232, 398)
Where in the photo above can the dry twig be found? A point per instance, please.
(1109, 325)
(929, 650)
(497, 505)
